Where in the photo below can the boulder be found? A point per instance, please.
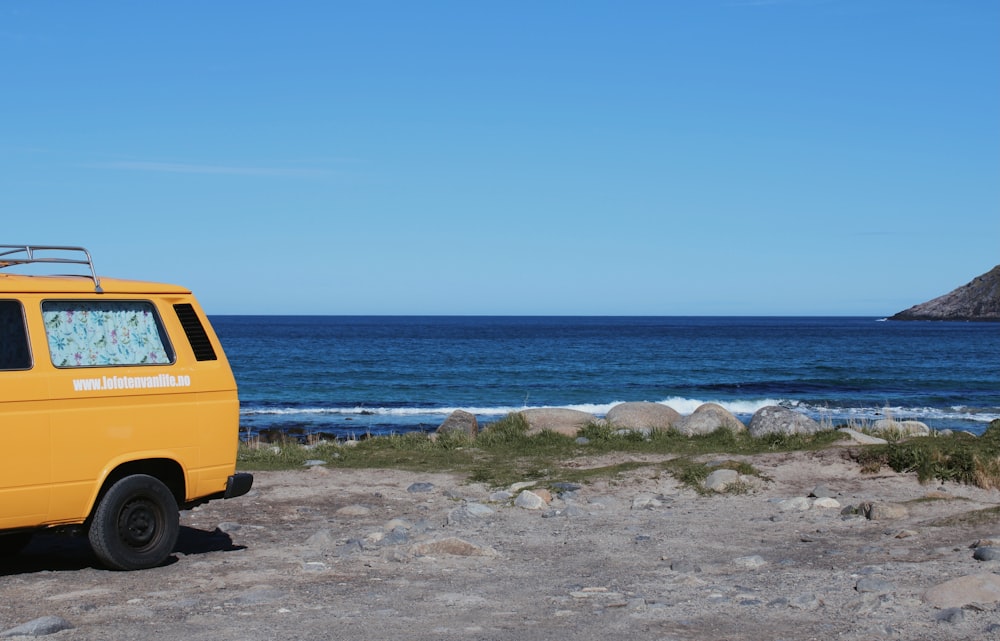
(707, 418)
(460, 421)
(795, 504)
(720, 480)
(529, 500)
(775, 419)
(554, 419)
(452, 546)
(882, 511)
(965, 590)
(903, 428)
(987, 554)
(40, 627)
(643, 416)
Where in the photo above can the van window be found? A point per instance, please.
(102, 333)
(14, 352)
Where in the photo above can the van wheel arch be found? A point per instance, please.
(167, 471)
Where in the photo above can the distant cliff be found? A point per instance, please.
(978, 300)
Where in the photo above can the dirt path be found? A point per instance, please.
(346, 554)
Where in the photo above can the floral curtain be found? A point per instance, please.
(85, 334)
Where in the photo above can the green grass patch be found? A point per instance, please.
(958, 458)
(504, 453)
(971, 518)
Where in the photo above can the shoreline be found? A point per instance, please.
(336, 424)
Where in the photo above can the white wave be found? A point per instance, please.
(682, 405)
(932, 414)
(374, 411)
(686, 406)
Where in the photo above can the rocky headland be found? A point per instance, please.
(977, 300)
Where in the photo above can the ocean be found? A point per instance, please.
(347, 376)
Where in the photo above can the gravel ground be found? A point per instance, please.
(386, 554)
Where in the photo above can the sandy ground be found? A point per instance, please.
(327, 553)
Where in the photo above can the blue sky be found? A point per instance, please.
(717, 157)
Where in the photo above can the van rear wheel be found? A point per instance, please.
(135, 525)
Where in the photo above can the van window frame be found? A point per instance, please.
(162, 333)
(25, 335)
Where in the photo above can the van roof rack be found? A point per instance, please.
(11, 255)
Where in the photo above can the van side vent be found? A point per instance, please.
(203, 350)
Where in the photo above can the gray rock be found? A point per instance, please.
(719, 480)
(903, 428)
(453, 546)
(354, 510)
(459, 421)
(775, 419)
(707, 418)
(39, 627)
(796, 504)
(805, 602)
(750, 562)
(322, 539)
(961, 591)
(478, 509)
(886, 511)
(643, 416)
(420, 487)
(528, 500)
(646, 503)
(570, 511)
(394, 537)
(822, 492)
(554, 419)
(468, 513)
(987, 554)
(565, 490)
(398, 524)
(314, 462)
(874, 585)
(877, 511)
(352, 546)
(950, 615)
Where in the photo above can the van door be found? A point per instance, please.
(25, 430)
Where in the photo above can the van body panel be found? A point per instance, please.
(66, 429)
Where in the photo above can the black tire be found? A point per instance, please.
(135, 525)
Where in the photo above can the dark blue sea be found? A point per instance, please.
(353, 375)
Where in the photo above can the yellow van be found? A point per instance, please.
(117, 407)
